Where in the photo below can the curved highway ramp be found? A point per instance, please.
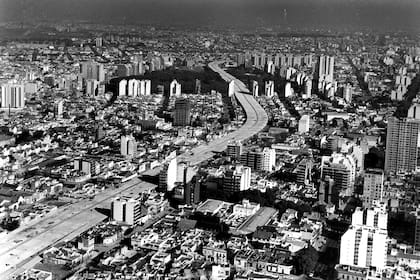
(256, 120)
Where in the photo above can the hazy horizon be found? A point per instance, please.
(334, 14)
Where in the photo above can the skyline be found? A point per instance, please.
(302, 14)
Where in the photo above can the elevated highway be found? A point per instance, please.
(256, 120)
(19, 250)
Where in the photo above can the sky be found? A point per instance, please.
(334, 14)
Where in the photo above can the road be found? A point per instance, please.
(256, 120)
(19, 250)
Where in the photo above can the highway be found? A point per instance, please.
(256, 120)
(19, 250)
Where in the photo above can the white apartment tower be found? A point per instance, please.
(168, 173)
(255, 89)
(269, 88)
(365, 243)
(341, 168)
(92, 87)
(171, 173)
(12, 96)
(373, 187)
(175, 89)
(269, 159)
(126, 210)
(133, 87)
(234, 149)
(128, 145)
(122, 88)
(414, 112)
(326, 68)
(145, 87)
(308, 89)
(304, 124)
(288, 90)
(237, 179)
(231, 88)
(270, 67)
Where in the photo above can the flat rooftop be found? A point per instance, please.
(261, 218)
(210, 206)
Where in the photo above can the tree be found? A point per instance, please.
(306, 260)
(10, 224)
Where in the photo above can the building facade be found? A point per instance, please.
(341, 169)
(128, 145)
(237, 179)
(182, 112)
(365, 243)
(259, 160)
(126, 210)
(12, 96)
(373, 186)
(402, 145)
(234, 149)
